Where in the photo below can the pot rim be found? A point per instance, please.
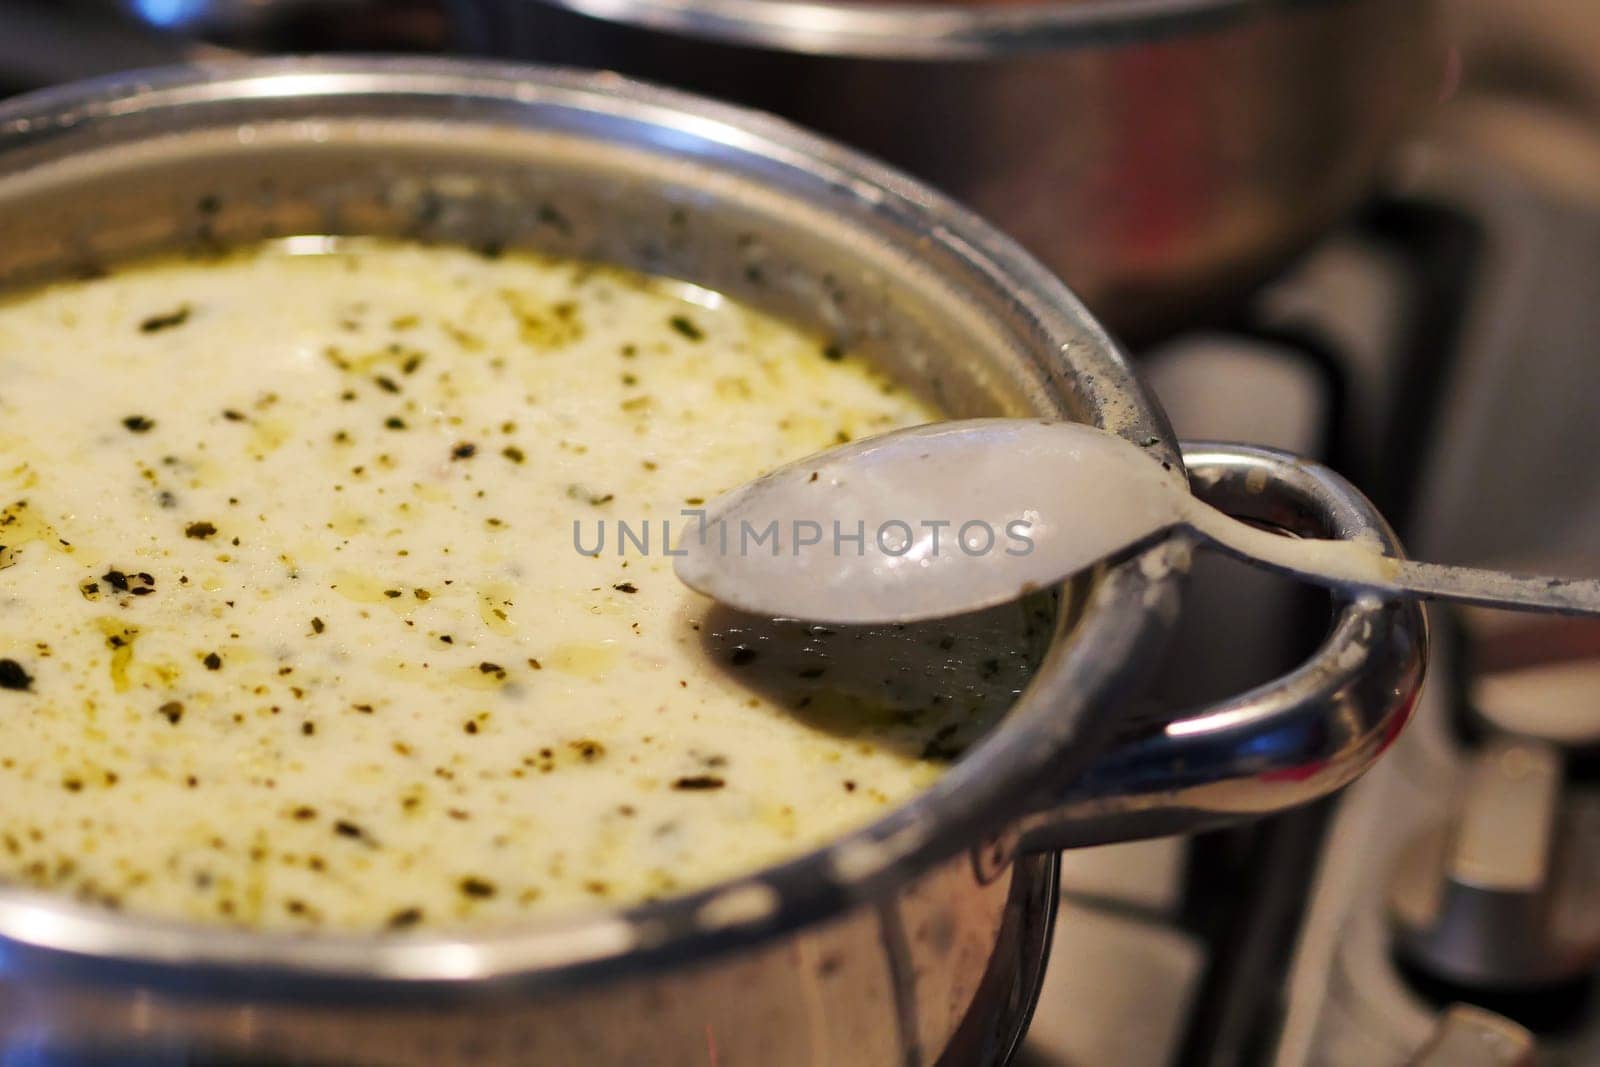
(887, 29)
(1046, 737)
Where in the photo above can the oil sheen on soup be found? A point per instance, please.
(314, 612)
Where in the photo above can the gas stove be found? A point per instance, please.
(1436, 348)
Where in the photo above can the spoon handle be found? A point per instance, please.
(1498, 589)
(1357, 565)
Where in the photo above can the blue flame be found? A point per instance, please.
(168, 13)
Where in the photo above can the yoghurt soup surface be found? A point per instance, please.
(294, 632)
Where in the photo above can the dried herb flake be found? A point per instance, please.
(165, 321)
(686, 326)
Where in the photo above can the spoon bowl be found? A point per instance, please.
(951, 517)
(930, 521)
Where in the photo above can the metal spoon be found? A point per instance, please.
(950, 517)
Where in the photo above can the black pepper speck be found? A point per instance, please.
(13, 676)
(699, 782)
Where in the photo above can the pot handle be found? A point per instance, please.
(1285, 743)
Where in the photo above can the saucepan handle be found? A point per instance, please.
(1290, 741)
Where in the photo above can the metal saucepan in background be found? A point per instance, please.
(1162, 156)
(914, 938)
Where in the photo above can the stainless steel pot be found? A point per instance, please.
(910, 940)
(1162, 156)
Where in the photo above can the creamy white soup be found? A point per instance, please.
(294, 631)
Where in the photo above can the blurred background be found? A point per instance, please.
(1363, 230)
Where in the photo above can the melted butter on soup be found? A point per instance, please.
(294, 631)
